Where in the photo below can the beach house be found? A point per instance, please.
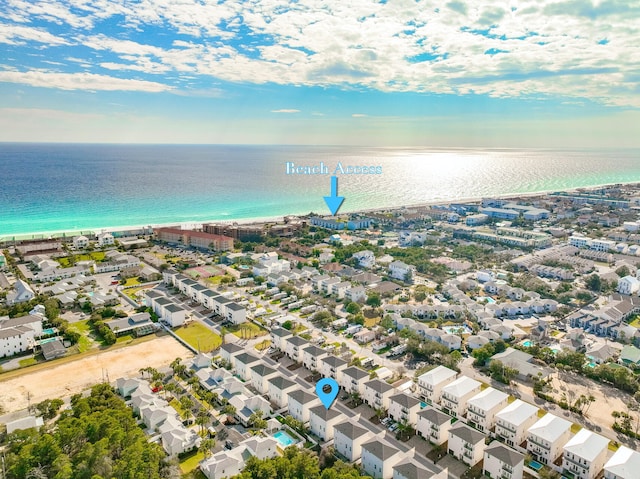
(585, 454)
(466, 444)
(546, 438)
(513, 422)
(433, 425)
(501, 462)
(482, 408)
(456, 394)
(430, 384)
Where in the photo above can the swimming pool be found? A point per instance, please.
(423, 405)
(488, 299)
(527, 344)
(284, 439)
(535, 465)
(49, 331)
(456, 329)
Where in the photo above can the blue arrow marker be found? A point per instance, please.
(327, 398)
(334, 201)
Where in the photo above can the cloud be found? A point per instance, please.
(359, 115)
(80, 81)
(286, 110)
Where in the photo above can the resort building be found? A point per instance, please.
(332, 367)
(377, 393)
(243, 363)
(379, 457)
(279, 389)
(260, 375)
(456, 394)
(294, 348)
(501, 462)
(585, 454)
(403, 407)
(513, 422)
(430, 384)
(300, 403)
(279, 338)
(353, 379)
(311, 357)
(195, 239)
(18, 335)
(546, 438)
(322, 421)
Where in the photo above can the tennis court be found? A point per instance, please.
(203, 271)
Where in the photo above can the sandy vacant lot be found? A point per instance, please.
(74, 377)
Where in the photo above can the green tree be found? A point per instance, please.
(352, 308)
(374, 300)
(594, 283)
(482, 354)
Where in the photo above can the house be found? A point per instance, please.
(332, 367)
(236, 314)
(356, 294)
(323, 420)
(402, 271)
(521, 361)
(226, 464)
(177, 439)
(379, 457)
(628, 285)
(451, 341)
(433, 425)
(409, 468)
(80, 242)
(546, 438)
(513, 422)
(200, 361)
(137, 324)
(246, 406)
(465, 444)
(456, 394)
(105, 239)
(229, 351)
(348, 438)
(243, 363)
(311, 356)
(353, 379)
(53, 349)
(585, 454)
(17, 335)
(279, 389)
(403, 407)
(624, 464)
(482, 408)
(21, 293)
(430, 384)
(365, 259)
(294, 348)
(173, 315)
(279, 338)
(213, 378)
(260, 375)
(502, 462)
(364, 336)
(376, 393)
(300, 403)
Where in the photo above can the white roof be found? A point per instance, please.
(625, 463)
(517, 412)
(487, 399)
(550, 427)
(587, 445)
(437, 375)
(461, 386)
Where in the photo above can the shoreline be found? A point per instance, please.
(280, 218)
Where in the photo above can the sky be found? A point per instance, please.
(481, 73)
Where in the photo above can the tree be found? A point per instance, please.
(483, 354)
(594, 283)
(202, 418)
(51, 308)
(501, 372)
(206, 445)
(623, 271)
(352, 308)
(256, 420)
(374, 300)
(186, 403)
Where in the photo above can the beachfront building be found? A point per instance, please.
(433, 425)
(482, 408)
(546, 438)
(585, 454)
(624, 464)
(501, 462)
(18, 335)
(455, 395)
(80, 242)
(513, 422)
(430, 384)
(105, 239)
(194, 239)
(465, 444)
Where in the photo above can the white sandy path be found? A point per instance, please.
(74, 377)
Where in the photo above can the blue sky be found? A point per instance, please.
(542, 73)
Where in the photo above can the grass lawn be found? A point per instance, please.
(636, 322)
(247, 330)
(613, 446)
(175, 404)
(84, 344)
(66, 262)
(263, 345)
(27, 362)
(190, 462)
(81, 326)
(125, 338)
(298, 329)
(132, 292)
(199, 336)
(215, 280)
(371, 322)
(575, 428)
(131, 282)
(541, 412)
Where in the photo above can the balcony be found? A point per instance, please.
(575, 462)
(507, 468)
(468, 446)
(506, 427)
(533, 440)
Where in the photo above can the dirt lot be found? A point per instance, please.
(71, 378)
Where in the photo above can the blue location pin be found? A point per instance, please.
(327, 398)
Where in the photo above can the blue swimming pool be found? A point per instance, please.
(535, 465)
(527, 344)
(462, 329)
(284, 439)
(488, 299)
(49, 331)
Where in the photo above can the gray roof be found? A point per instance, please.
(297, 341)
(281, 383)
(466, 433)
(262, 369)
(302, 397)
(231, 348)
(9, 332)
(405, 400)
(350, 429)
(379, 449)
(434, 416)
(412, 470)
(13, 322)
(324, 413)
(174, 308)
(504, 454)
(314, 350)
(355, 373)
(280, 332)
(246, 358)
(53, 349)
(235, 307)
(379, 386)
(334, 361)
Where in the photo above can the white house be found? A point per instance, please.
(402, 271)
(21, 293)
(105, 239)
(311, 357)
(513, 422)
(231, 463)
(403, 407)
(229, 351)
(294, 348)
(323, 420)
(502, 462)
(353, 379)
(24, 423)
(433, 425)
(624, 464)
(260, 375)
(379, 457)
(465, 444)
(80, 242)
(376, 393)
(243, 363)
(279, 338)
(300, 403)
(430, 384)
(628, 285)
(17, 335)
(456, 394)
(356, 294)
(279, 389)
(173, 315)
(348, 438)
(482, 408)
(236, 314)
(245, 405)
(332, 367)
(546, 438)
(585, 454)
(365, 258)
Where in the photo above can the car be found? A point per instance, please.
(394, 427)
(229, 445)
(385, 420)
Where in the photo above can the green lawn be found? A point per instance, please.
(131, 292)
(81, 326)
(175, 404)
(67, 261)
(247, 330)
(263, 345)
(199, 336)
(84, 344)
(131, 282)
(636, 322)
(575, 428)
(189, 463)
(27, 362)
(124, 338)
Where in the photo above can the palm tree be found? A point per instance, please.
(202, 418)
(205, 447)
(186, 404)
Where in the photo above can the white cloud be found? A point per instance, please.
(19, 34)
(359, 115)
(79, 81)
(286, 110)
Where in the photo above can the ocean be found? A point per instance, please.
(68, 187)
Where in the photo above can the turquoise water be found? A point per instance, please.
(284, 439)
(48, 331)
(457, 329)
(423, 405)
(488, 299)
(63, 187)
(535, 465)
(527, 344)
